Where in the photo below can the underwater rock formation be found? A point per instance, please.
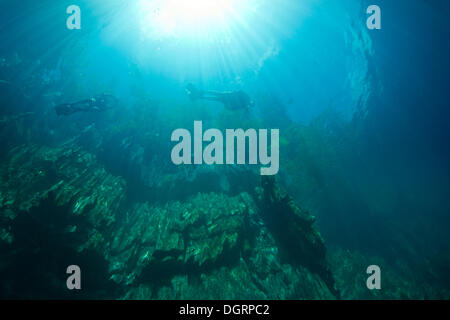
(56, 206)
(59, 206)
(210, 247)
(179, 237)
(399, 279)
(293, 228)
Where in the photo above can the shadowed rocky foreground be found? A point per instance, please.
(59, 206)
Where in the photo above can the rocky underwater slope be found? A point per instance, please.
(98, 191)
(59, 207)
(139, 229)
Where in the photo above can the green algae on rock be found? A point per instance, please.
(211, 245)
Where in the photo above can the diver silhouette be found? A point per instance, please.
(233, 100)
(99, 103)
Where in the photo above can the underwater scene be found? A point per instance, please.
(224, 149)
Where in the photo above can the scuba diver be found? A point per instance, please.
(99, 103)
(233, 100)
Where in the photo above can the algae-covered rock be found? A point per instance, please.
(211, 246)
(398, 279)
(293, 228)
(179, 237)
(61, 206)
(58, 206)
(71, 178)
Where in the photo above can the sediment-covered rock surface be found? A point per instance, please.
(59, 206)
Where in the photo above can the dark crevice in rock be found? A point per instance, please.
(292, 227)
(34, 264)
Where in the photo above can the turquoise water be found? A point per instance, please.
(363, 173)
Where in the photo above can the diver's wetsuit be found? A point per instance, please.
(235, 100)
(98, 103)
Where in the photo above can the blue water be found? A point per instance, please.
(378, 180)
